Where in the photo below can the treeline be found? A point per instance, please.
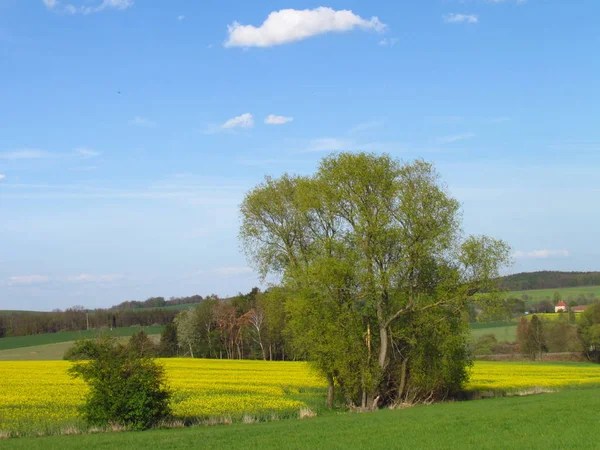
(548, 280)
(77, 318)
(158, 302)
(248, 326)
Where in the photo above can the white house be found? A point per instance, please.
(560, 307)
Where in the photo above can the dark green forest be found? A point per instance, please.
(548, 280)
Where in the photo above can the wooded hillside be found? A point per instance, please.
(549, 280)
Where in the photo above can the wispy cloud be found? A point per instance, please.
(291, 25)
(181, 17)
(391, 42)
(91, 278)
(328, 145)
(139, 121)
(86, 152)
(244, 121)
(277, 120)
(456, 138)
(2, 176)
(25, 153)
(94, 7)
(461, 18)
(366, 126)
(27, 280)
(541, 254)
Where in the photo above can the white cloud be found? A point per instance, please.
(142, 122)
(2, 176)
(90, 278)
(244, 121)
(461, 18)
(85, 152)
(389, 42)
(541, 254)
(25, 280)
(291, 25)
(181, 17)
(456, 138)
(328, 145)
(25, 153)
(99, 6)
(277, 120)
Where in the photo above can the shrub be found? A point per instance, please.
(484, 345)
(589, 330)
(127, 387)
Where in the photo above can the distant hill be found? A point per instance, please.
(549, 280)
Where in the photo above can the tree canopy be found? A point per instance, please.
(377, 270)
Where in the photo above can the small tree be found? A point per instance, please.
(589, 332)
(168, 346)
(536, 341)
(142, 344)
(126, 387)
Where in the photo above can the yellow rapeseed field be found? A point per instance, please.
(513, 376)
(39, 396)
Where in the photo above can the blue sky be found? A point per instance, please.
(130, 130)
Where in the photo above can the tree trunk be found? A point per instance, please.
(270, 352)
(402, 379)
(383, 347)
(330, 390)
(191, 351)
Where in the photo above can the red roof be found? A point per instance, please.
(561, 304)
(578, 308)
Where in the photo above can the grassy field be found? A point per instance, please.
(567, 294)
(68, 336)
(504, 331)
(559, 421)
(48, 352)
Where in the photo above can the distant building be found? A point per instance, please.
(561, 307)
(578, 309)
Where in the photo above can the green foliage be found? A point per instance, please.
(531, 337)
(484, 345)
(142, 345)
(589, 327)
(169, 345)
(126, 387)
(561, 335)
(362, 245)
(434, 344)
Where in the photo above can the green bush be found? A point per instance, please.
(126, 386)
(485, 345)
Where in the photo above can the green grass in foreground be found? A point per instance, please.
(67, 336)
(562, 420)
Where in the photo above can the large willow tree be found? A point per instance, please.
(378, 273)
